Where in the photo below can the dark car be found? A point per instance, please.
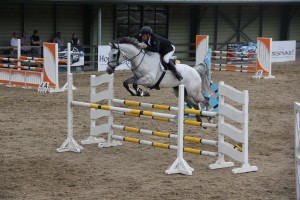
(63, 54)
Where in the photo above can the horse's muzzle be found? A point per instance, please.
(110, 70)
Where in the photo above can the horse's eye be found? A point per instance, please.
(114, 55)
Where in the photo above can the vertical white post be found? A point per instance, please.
(297, 148)
(246, 127)
(180, 166)
(68, 68)
(270, 62)
(19, 51)
(221, 160)
(69, 59)
(70, 144)
(57, 89)
(180, 122)
(19, 63)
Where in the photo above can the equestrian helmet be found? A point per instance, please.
(146, 30)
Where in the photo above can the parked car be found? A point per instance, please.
(63, 54)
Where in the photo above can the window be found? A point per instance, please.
(131, 18)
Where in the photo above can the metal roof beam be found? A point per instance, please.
(164, 1)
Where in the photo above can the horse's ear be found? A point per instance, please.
(113, 45)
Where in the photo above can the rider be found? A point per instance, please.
(163, 46)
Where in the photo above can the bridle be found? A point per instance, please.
(116, 46)
(118, 56)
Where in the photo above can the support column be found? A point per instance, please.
(194, 27)
(99, 25)
(285, 23)
(216, 28)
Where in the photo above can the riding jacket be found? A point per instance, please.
(159, 44)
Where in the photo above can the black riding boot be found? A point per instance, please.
(175, 72)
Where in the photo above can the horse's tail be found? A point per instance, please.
(203, 71)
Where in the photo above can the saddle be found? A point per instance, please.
(164, 65)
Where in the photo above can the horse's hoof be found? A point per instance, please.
(198, 118)
(145, 94)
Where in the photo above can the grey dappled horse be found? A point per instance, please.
(147, 71)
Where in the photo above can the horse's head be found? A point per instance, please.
(114, 58)
(123, 49)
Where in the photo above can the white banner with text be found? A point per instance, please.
(283, 51)
(103, 52)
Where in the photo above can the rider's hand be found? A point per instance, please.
(144, 46)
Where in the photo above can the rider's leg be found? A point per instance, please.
(171, 65)
(173, 69)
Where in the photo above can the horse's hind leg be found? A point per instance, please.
(187, 99)
(195, 105)
(190, 101)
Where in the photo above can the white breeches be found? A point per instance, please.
(168, 55)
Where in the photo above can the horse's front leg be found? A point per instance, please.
(131, 80)
(139, 91)
(134, 90)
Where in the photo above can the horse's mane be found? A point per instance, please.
(128, 40)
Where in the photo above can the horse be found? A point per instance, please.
(148, 71)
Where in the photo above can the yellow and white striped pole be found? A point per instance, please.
(164, 145)
(164, 135)
(164, 107)
(186, 121)
(126, 110)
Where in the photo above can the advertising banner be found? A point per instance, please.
(283, 51)
(77, 58)
(242, 49)
(103, 52)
